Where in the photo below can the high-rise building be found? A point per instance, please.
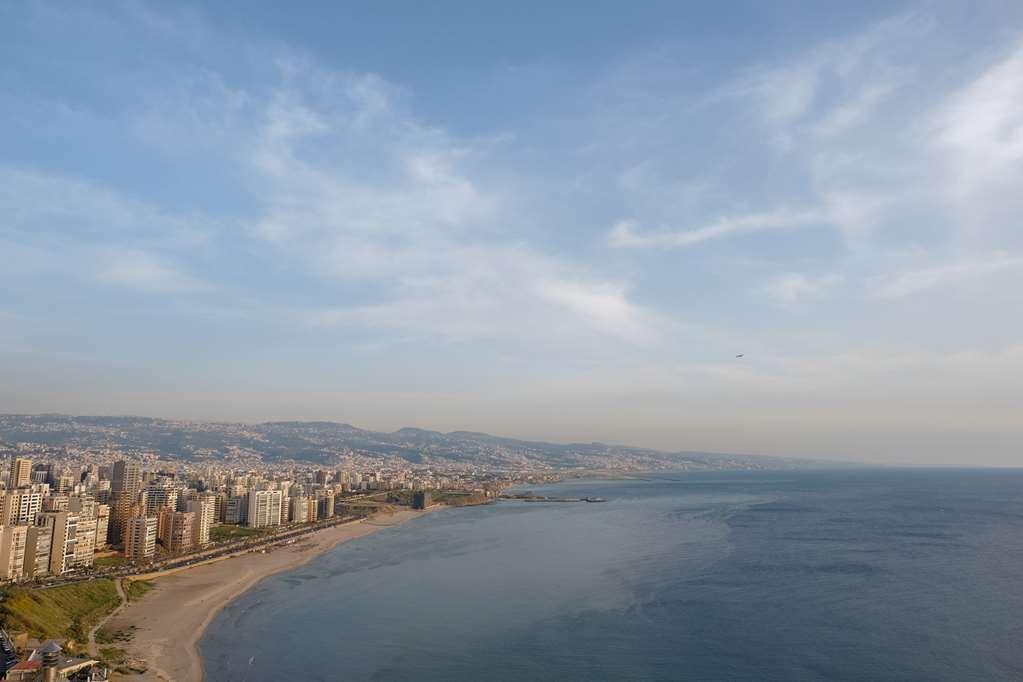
(299, 512)
(19, 507)
(126, 477)
(55, 503)
(123, 506)
(103, 491)
(12, 552)
(38, 542)
(102, 525)
(65, 539)
(204, 509)
(21, 473)
(120, 511)
(236, 509)
(140, 538)
(125, 486)
(85, 541)
(175, 530)
(161, 493)
(265, 508)
(219, 505)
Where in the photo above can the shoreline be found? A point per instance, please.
(171, 619)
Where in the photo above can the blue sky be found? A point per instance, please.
(558, 223)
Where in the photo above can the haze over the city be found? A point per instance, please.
(559, 223)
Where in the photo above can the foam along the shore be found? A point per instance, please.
(169, 621)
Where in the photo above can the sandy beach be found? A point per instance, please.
(171, 618)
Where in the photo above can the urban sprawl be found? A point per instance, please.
(57, 519)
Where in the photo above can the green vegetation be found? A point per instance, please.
(113, 656)
(452, 498)
(66, 611)
(457, 498)
(105, 636)
(116, 658)
(225, 533)
(112, 561)
(402, 497)
(134, 589)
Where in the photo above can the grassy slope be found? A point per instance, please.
(67, 611)
(134, 589)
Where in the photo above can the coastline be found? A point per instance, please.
(170, 619)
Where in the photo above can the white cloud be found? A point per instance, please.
(857, 109)
(625, 233)
(793, 289)
(833, 85)
(144, 271)
(355, 190)
(978, 135)
(57, 210)
(605, 307)
(499, 293)
(971, 275)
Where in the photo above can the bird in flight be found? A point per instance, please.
(740, 355)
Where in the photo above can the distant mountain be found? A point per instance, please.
(328, 442)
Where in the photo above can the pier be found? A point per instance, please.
(529, 497)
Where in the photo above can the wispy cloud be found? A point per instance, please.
(428, 235)
(793, 288)
(49, 208)
(627, 233)
(862, 67)
(964, 276)
(978, 136)
(500, 293)
(144, 271)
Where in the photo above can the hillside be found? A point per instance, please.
(328, 442)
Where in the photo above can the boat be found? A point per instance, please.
(594, 499)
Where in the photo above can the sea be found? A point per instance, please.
(894, 574)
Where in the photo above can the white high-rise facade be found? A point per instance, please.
(265, 508)
(204, 509)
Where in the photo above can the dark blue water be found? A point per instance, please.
(865, 575)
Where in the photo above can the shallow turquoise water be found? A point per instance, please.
(885, 575)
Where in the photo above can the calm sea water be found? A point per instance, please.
(856, 575)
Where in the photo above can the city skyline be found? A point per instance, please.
(561, 224)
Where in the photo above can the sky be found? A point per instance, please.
(550, 222)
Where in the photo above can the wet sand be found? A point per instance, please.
(171, 618)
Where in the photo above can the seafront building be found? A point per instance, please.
(12, 551)
(203, 510)
(38, 543)
(265, 508)
(65, 537)
(20, 506)
(140, 538)
(175, 530)
(125, 495)
(60, 508)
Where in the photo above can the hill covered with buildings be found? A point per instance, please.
(331, 443)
